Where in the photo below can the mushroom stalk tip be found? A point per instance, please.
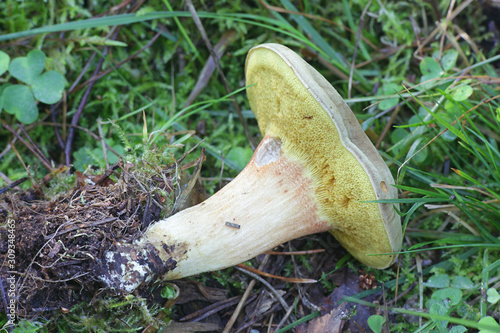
(126, 267)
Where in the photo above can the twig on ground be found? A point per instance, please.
(12, 184)
(271, 288)
(76, 276)
(39, 152)
(214, 308)
(237, 311)
(34, 151)
(33, 180)
(285, 317)
(270, 313)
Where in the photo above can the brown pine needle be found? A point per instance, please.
(261, 273)
(294, 253)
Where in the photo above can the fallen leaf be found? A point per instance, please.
(332, 322)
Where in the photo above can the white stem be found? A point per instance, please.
(268, 203)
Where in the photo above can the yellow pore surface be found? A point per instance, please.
(285, 109)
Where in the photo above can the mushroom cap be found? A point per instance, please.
(295, 103)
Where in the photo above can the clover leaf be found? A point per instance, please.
(48, 87)
(4, 62)
(431, 69)
(18, 100)
(26, 69)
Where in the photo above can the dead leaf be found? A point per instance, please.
(348, 285)
(196, 291)
(192, 191)
(209, 68)
(332, 322)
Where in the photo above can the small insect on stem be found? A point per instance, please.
(233, 225)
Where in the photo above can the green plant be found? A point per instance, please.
(26, 326)
(493, 296)
(115, 314)
(446, 298)
(375, 322)
(36, 85)
(492, 322)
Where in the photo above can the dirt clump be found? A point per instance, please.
(59, 242)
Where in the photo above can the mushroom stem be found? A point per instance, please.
(268, 203)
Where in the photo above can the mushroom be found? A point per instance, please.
(314, 171)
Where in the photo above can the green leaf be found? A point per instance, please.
(458, 329)
(449, 296)
(85, 156)
(4, 63)
(81, 159)
(429, 66)
(376, 322)
(415, 147)
(438, 281)
(492, 296)
(399, 134)
(440, 310)
(48, 87)
(449, 59)
(462, 93)
(448, 135)
(388, 90)
(430, 69)
(19, 100)
(443, 121)
(241, 156)
(2, 88)
(461, 282)
(97, 40)
(26, 69)
(27, 326)
(490, 321)
(169, 292)
(2, 99)
(464, 175)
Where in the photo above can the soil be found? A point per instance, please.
(58, 242)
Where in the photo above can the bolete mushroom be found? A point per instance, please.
(313, 171)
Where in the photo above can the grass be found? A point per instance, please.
(431, 104)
